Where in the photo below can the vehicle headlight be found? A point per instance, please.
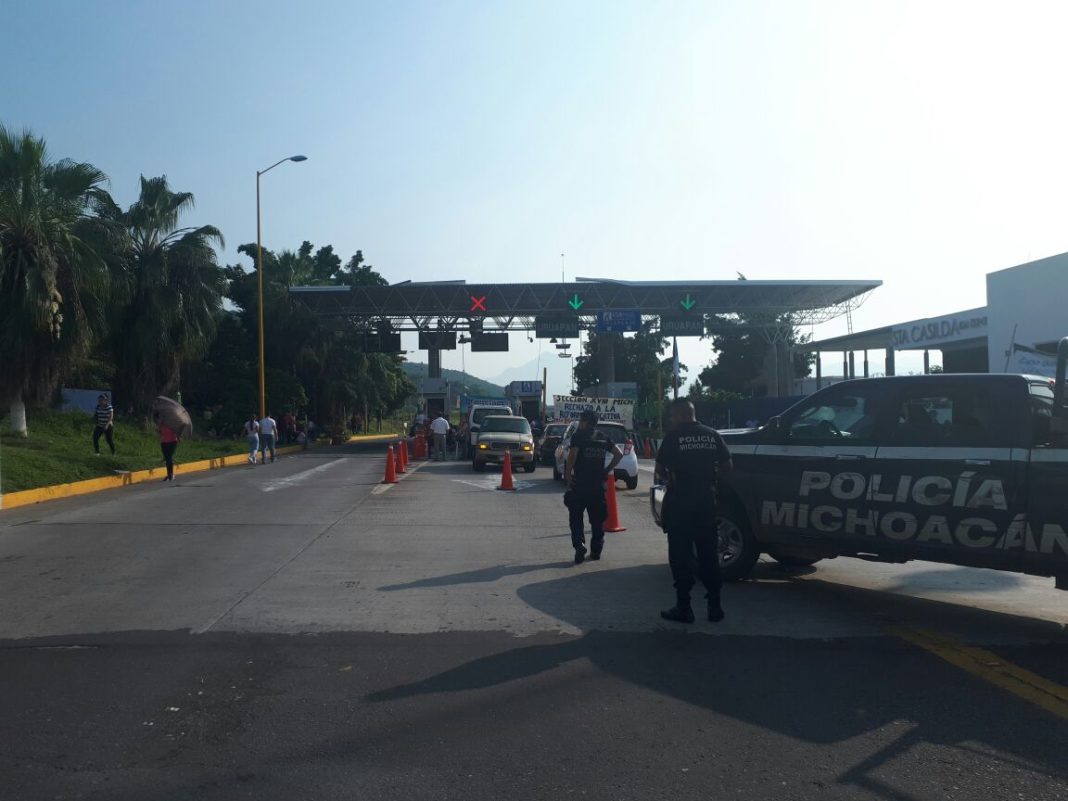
(482, 446)
(527, 446)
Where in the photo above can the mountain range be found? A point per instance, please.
(474, 386)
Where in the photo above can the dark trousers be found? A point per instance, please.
(684, 540)
(591, 502)
(109, 435)
(168, 449)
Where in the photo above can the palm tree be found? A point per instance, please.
(53, 281)
(174, 288)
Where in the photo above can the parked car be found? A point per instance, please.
(550, 438)
(499, 435)
(626, 470)
(953, 468)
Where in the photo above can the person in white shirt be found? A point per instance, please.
(268, 430)
(440, 428)
(252, 432)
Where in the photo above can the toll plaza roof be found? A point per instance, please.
(957, 331)
(514, 306)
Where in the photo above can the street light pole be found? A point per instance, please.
(259, 277)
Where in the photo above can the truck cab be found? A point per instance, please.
(954, 468)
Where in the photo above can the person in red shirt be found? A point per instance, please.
(168, 443)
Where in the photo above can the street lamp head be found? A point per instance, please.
(298, 158)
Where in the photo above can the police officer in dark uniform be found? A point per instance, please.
(689, 461)
(585, 475)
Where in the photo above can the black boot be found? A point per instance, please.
(715, 611)
(580, 555)
(681, 612)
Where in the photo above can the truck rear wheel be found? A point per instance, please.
(738, 548)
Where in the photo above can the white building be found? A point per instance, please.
(1025, 316)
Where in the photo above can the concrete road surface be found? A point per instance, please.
(300, 631)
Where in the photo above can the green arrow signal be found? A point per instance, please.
(575, 302)
(688, 302)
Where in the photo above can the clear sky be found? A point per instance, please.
(920, 143)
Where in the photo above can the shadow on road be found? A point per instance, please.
(820, 691)
(481, 576)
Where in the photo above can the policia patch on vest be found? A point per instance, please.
(692, 454)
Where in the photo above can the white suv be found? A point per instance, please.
(617, 434)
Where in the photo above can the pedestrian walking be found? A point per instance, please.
(252, 434)
(268, 433)
(585, 475)
(689, 461)
(168, 444)
(440, 428)
(104, 415)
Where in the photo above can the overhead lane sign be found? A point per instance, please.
(687, 302)
(575, 302)
(678, 326)
(611, 321)
(560, 327)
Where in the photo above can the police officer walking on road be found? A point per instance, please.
(585, 475)
(690, 461)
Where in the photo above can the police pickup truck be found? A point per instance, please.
(961, 469)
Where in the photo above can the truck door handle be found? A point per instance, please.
(850, 457)
(981, 462)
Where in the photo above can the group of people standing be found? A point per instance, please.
(689, 462)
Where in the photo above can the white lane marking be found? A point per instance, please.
(411, 468)
(491, 483)
(296, 478)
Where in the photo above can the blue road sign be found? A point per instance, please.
(617, 320)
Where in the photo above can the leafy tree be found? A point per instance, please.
(173, 290)
(53, 282)
(742, 349)
(328, 361)
(638, 358)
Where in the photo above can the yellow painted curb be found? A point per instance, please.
(54, 492)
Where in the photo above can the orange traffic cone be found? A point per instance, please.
(404, 451)
(399, 454)
(611, 523)
(506, 473)
(647, 449)
(391, 469)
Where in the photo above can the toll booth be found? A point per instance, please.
(435, 392)
(527, 398)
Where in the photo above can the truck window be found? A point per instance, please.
(836, 418)
(1041, 412)
(957, 416)
(485, 411)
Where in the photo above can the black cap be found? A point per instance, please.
(588, 416)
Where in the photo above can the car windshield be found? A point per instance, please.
(482, 414)
(616, 433)
(555, 430)
(511, 425)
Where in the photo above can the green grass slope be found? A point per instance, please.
(59, 450)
